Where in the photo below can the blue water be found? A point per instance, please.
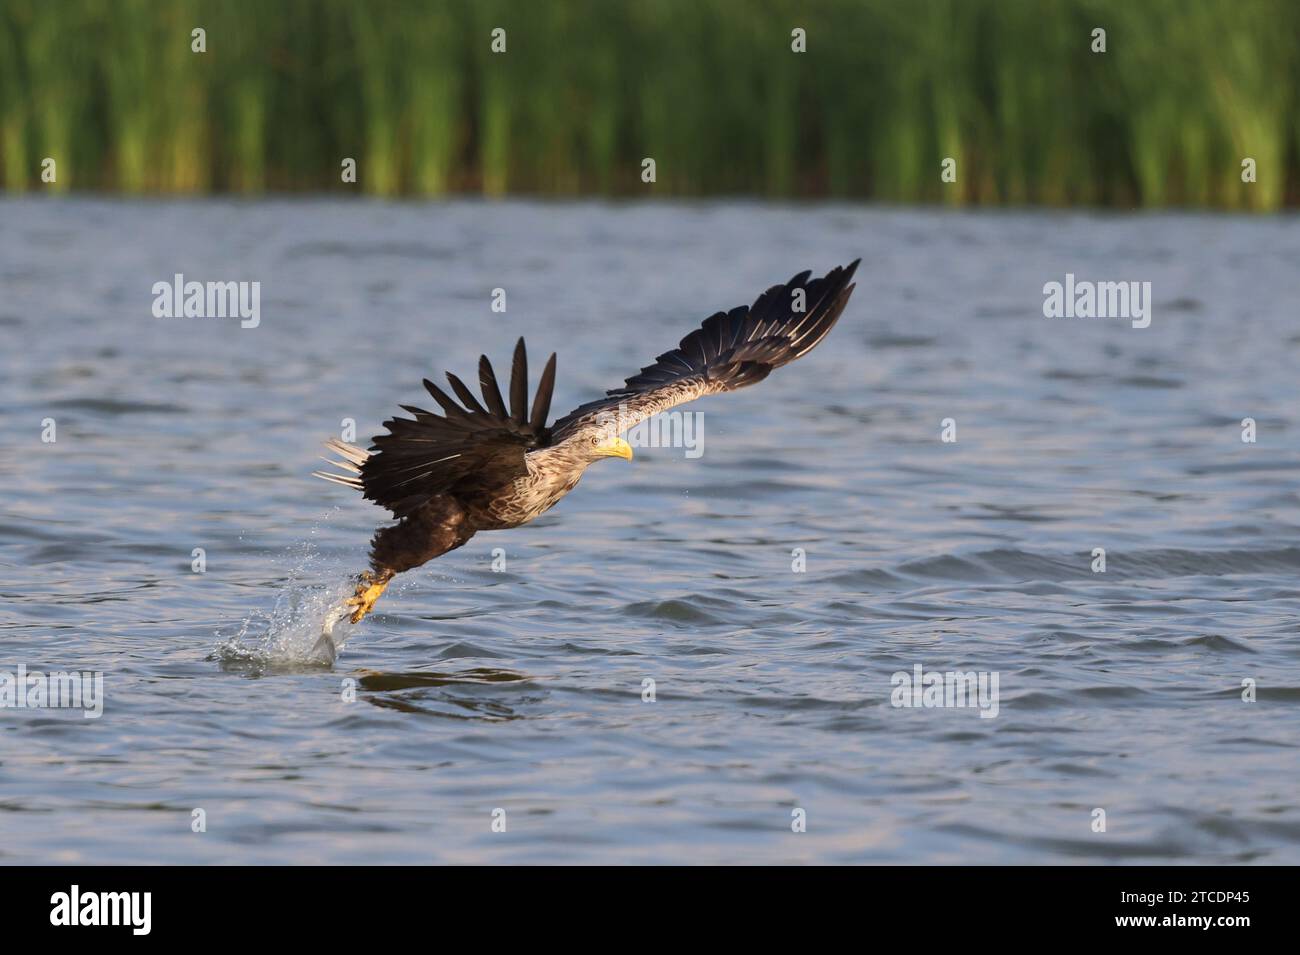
(522, 689)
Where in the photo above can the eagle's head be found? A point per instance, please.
(605, 445)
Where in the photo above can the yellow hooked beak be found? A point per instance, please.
(616, 448)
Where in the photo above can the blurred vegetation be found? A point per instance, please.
(709, 88)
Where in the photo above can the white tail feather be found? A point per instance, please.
(349, 452)
(352, 458)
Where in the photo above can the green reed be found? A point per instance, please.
(707, 88)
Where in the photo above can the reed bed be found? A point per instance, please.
(710, 89)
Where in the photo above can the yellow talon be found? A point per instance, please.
(368, 591)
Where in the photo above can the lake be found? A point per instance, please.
(935, 487)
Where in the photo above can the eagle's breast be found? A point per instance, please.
(548, 479)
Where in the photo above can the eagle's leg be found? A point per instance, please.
(438, 526)
(370, 585)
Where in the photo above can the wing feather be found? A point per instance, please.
(542, 403)
(467, 449)
(472, 447)
(465, 395)
(729, 350)
(487, 382)
(519, 385)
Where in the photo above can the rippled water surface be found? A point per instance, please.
(522, 690)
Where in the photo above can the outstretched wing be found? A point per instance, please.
(464, 450)
(729, 351)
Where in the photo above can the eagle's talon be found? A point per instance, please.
(369, 589)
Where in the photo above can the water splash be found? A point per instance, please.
(308, 626)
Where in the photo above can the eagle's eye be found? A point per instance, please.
(595, 441)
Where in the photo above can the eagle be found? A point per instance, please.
(483, 465)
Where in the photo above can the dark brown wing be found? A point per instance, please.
(729, 351)
(468, 449)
